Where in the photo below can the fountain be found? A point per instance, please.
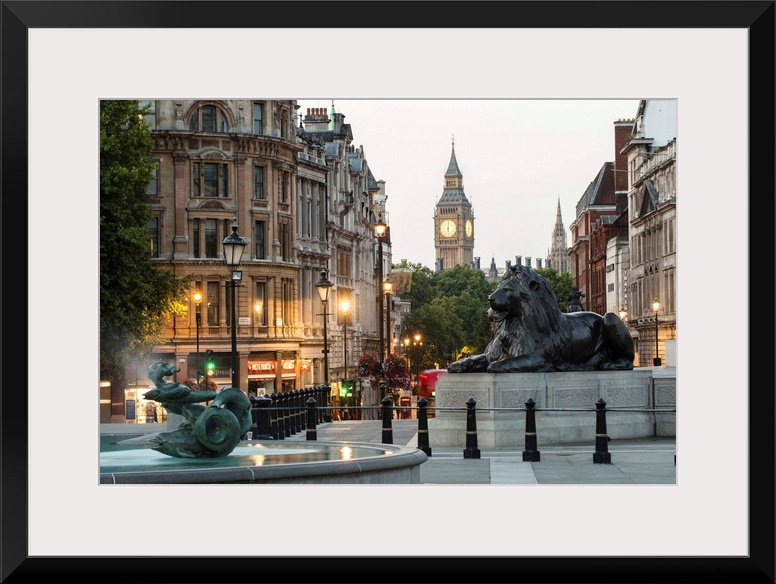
(211, 445)
(267, 461)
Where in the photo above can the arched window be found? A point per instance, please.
(208, 118)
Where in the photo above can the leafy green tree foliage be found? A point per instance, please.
(450, 310)
(135, 296)
(421, 291)
(561, 284)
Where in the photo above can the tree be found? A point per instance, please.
(453, 316)
(135, 296)
(561, 284)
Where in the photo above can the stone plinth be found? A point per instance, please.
(501, 401)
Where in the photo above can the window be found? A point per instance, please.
(211, 239)
(258, 115)
(286, 302)
(152, 189)
(210, 179)
(212, 315)
(150, 116)
(260, 305)
(195, 236)
(260, 230)
(285, 242)
(258, 182)
(282, 187)
(153, 234)
(208, 118)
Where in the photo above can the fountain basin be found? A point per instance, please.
(265, 462)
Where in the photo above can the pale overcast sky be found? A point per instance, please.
(518, 159)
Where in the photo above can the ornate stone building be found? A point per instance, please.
(651, 275)
(598, 208)
(305, 199)
(453, 221)
(558, 258)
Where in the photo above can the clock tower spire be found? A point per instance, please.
(453, 221)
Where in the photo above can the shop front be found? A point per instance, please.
(262, 375)
(138, 410)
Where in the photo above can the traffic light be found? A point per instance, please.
(209, 366)
(345, 390)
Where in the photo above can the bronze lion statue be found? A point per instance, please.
(530, 333)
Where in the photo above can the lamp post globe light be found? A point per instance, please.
(197, 296)
(324, 287)
(234, 244)
(656, 361)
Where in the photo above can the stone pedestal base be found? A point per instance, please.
(501, 401)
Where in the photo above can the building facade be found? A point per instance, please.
(651, 274)
(597, 209)
(453, 221)
(306, 201)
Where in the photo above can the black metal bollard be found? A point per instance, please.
(387, 428)
(471, 450)
(296, 412)
(281, 410)
(530, 454)
(423, 426)
(273, 417)
(287, 413)
(303, 394)
(601, 454)
(312, 433)
(254, 415)
(327, 402)
(262, 404)
(318, 395)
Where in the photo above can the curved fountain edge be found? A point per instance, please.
(402, 466)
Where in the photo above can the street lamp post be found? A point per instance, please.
(234, 245)
(656, 361)
(388, 290)
(417, 359)
(345, 307)
(623, 315)
(380, 230)
(324, 287)
(198, 320)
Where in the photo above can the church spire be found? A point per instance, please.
(452, 169)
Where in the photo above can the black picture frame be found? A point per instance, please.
(756, 16)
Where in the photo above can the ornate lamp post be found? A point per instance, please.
(324, 287)
(623, 315)
(345, 307)
(656, 361)
(388, 290)
(417, 359)
(380, 230)
(198, 301)
(234, 244)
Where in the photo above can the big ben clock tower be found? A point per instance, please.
(453, 221)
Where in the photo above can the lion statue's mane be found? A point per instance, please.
(530, 333)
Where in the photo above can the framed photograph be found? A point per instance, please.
(716, 524)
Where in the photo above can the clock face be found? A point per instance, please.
(469, 228)
(447, 228)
